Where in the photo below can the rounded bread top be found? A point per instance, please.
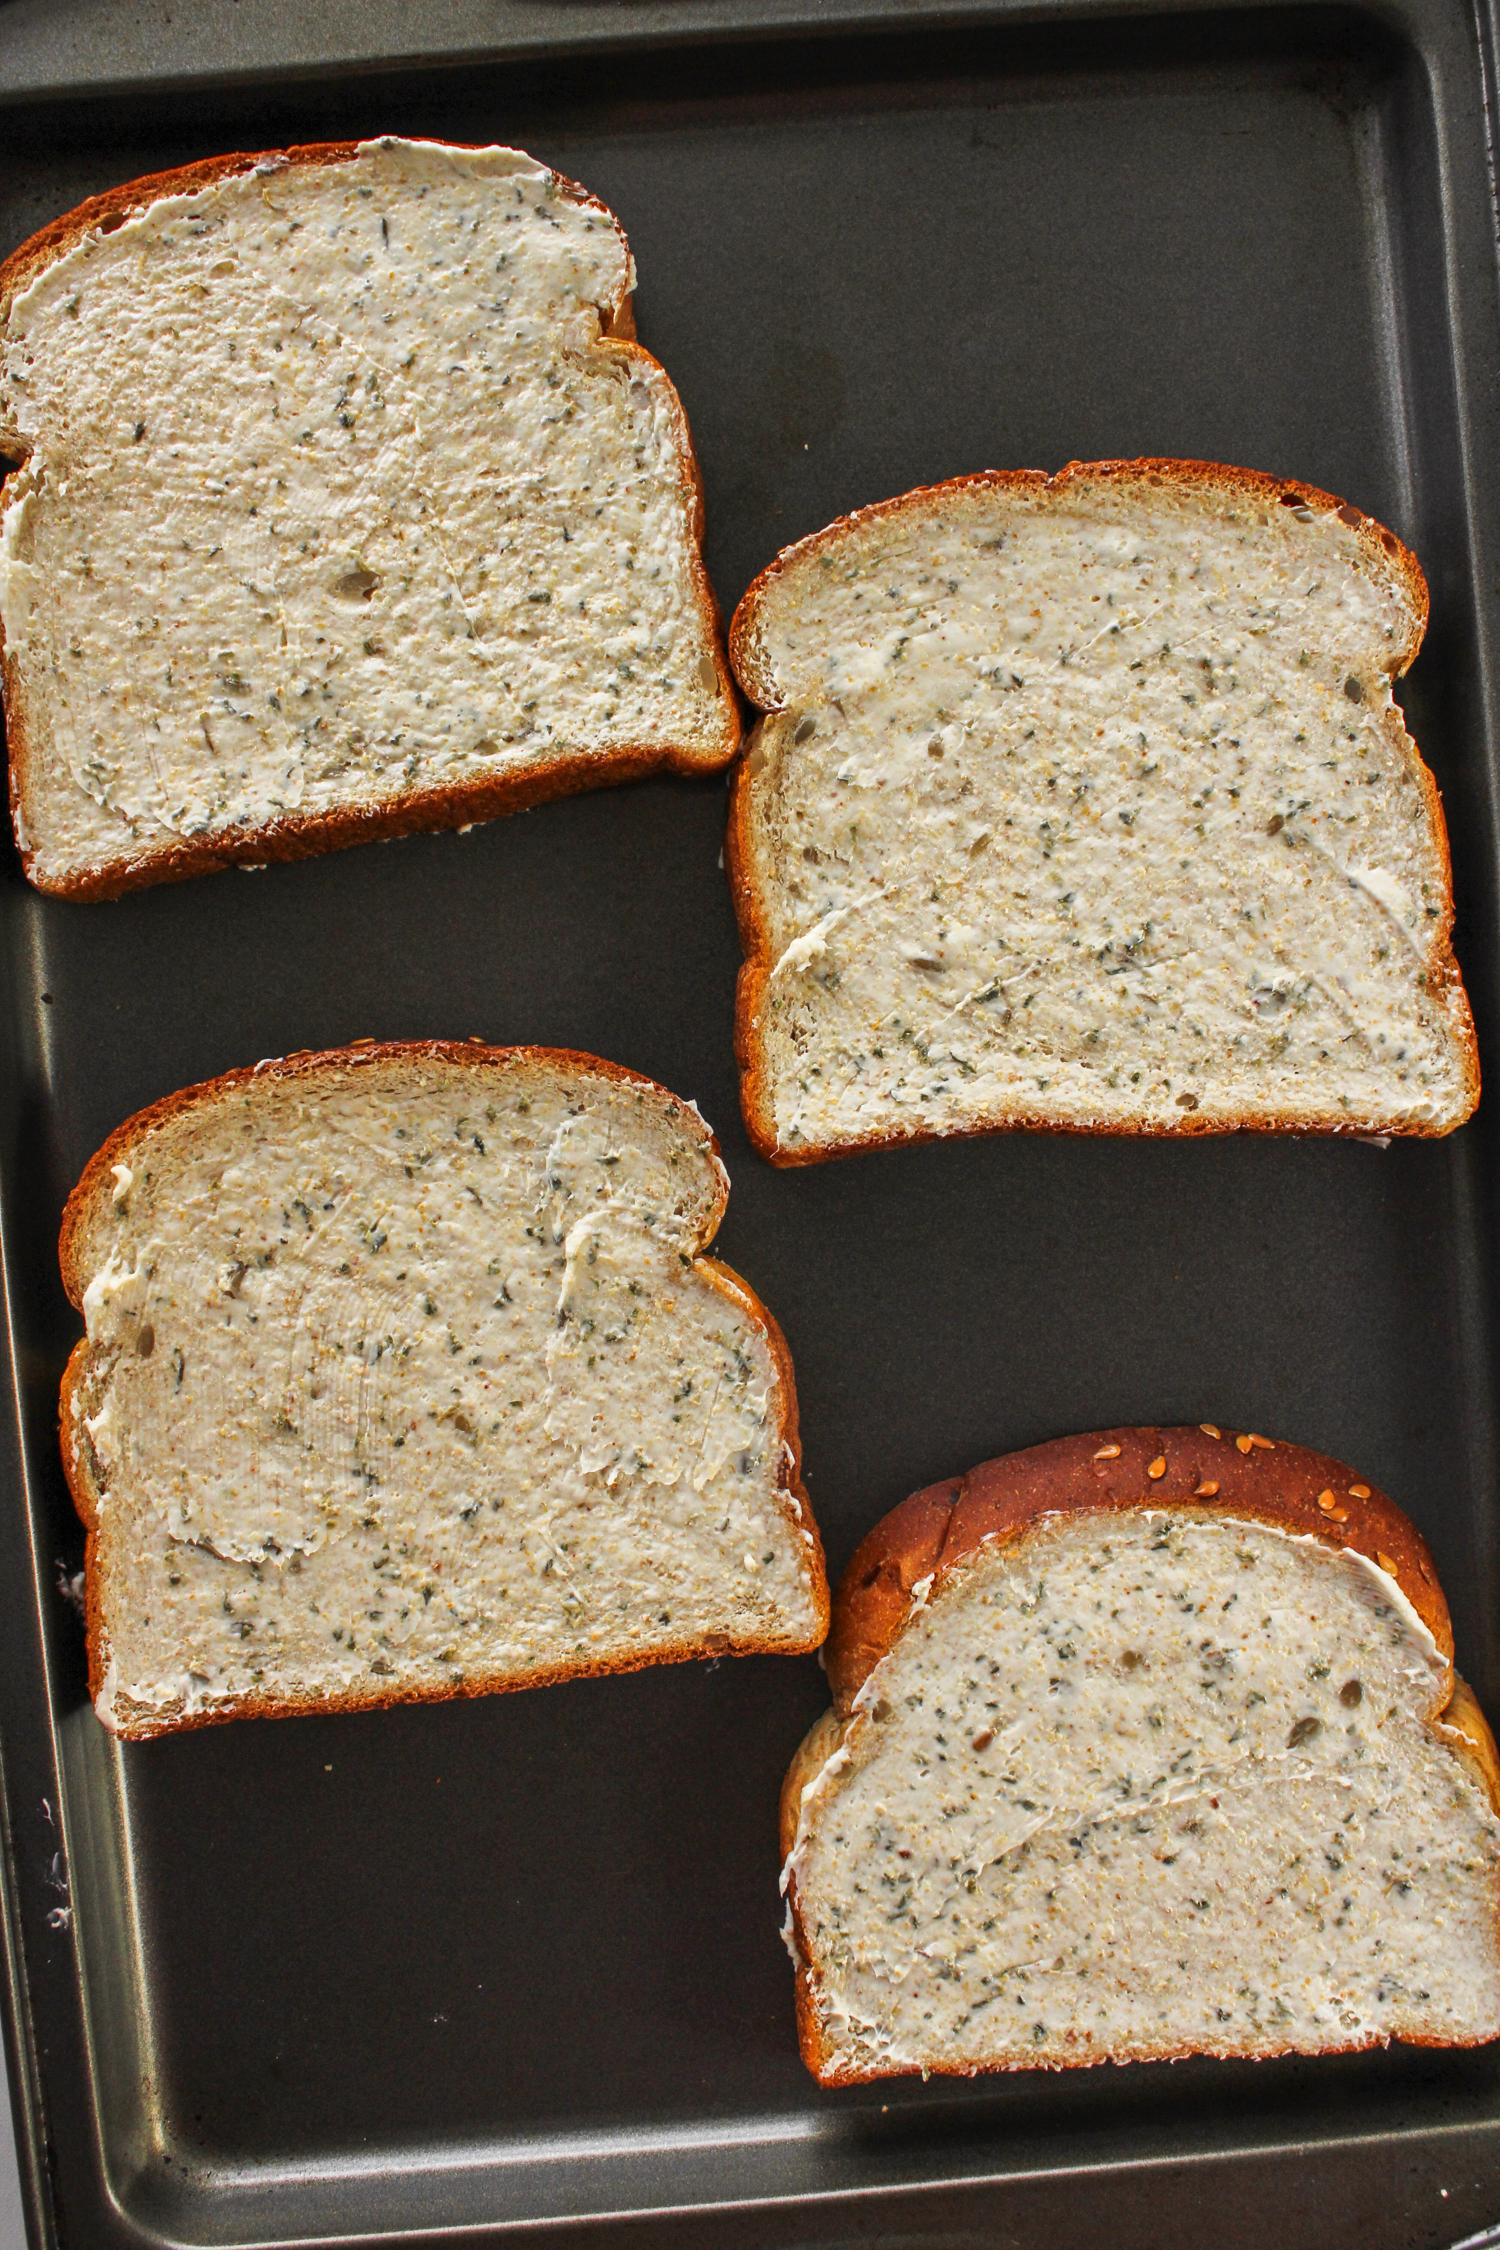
(96, 1183)
(105, 214)
(1374, 549)
(1197, 1467)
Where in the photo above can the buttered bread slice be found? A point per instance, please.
(346, 506)
(405, 1377)
(1143, 1744)
(1082, 801)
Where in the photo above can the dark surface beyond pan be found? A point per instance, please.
(516, 1961)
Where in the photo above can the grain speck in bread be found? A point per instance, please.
(347, 506)
(1143, 1744)
(1082, 801)
(405, 1376)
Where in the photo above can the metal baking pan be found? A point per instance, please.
(510, 1970)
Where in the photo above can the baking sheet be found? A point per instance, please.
(513, 1965)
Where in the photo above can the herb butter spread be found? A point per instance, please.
(1161, 1784)
(1086, 802)
(404, 1375)
(336, 496)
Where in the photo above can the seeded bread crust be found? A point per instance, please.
(1246, 1476)
(1386, 559)
(94, 1188)
(419, 811)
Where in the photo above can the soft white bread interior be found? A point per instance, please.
(347, 507)
(1083, 801)
(404, 1376)
(1142, 1746)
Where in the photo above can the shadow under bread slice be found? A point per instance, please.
(1143, 1744)
(405, 1376)
(1083, 802)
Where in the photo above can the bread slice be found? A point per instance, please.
(1143, 1744)
(405, 1377)
(347, 507)
(1082, 802)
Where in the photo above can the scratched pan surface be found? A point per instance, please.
(512, 1967)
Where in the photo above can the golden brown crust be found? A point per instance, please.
(107, 213)
(96, 1183)
(429, 813)
(815, 2054)
(812, 1754)
(415, 812)
(1466, 1729)
(1384, 553)
(874, 1596)
(937, 1530)
(739, 1291)
(308, 1062)
(131, 1727)
(85, 1501)
(1385, 556)
(903, 1133)
(1199, 1466)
